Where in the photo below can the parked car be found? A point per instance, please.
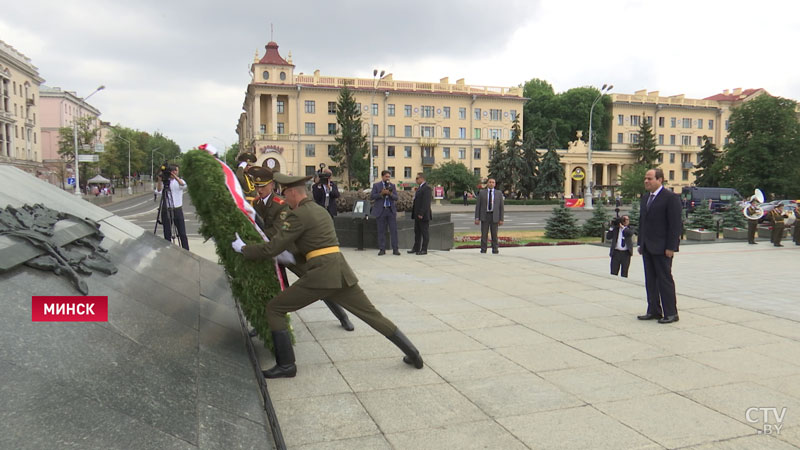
(720, 198)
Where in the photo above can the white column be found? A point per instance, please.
(274, 113)
(567, 180)
(256, 116)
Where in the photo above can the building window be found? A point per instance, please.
(427, 111)
(634, 121)
(446, 152)
(407, 131)
(660, 139)
(311, 107)
(661, 122)
(462, 113)
(374, 109)
(671, 175)
(426, 131)
(649, 120)
(477, 112)
(699, 124)
(477, 171)
(407, 151)
(687, 123)
(727, 125)
(513, 114)
(331, 107)
(283, 76)
(686, 140)
(446, 132)
(620, 119)
(619, 138)
(634, 138)
(462, 133)
(710, 124)
(407, 109)
(390, 109)
(727, 140)
(374, 151)
(375, 129)
(685, 175)
(331, 129)
(671, 139)
(374, 172)
(495, 114)
(462, 153)
(699, 141)
(406, 172)
(263, 128)
(391, 170)
(446, 112)
(331, 149)
(390, 151)
(281, 128)
(672, 158)
(672, 122)
(495, 133)
(311, 128)
(710, 139)
(390, 131)
(311, 171)
(279, 104)
(476, 133)
(476, 153)
(310, 151)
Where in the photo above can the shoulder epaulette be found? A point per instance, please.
(279, 200)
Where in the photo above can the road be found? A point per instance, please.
(143, 210)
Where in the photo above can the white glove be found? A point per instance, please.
(242, 164)
(238, 244)
(286, 258)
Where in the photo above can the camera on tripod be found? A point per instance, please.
(324, 176)
(166, 172)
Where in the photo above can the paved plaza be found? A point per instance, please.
(539, 347)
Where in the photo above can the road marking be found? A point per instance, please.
(129, 207)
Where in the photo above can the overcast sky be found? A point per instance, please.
(181, 67)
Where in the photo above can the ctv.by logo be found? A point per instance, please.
(762, 414)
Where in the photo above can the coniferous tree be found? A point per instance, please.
(529, 178)
(706, 174)
(499, 167)
(645, 148)
(561, 225)
(350, 151)
(595, 226)
(551, 174)
(701, 218)
(633, 215)
(733, 217)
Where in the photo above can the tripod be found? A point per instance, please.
(166, 211)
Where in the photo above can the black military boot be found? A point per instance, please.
(338, 311)
(412, 354)
(284, 356)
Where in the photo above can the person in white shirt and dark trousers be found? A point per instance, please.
(621, 237)
(174, 208)
(489, 213)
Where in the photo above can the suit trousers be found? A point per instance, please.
(387, 219)
(352, 298)
(752, 227)
(421, 236)
(659, 284)
(486, 226)
(180, 225)
(620, 259)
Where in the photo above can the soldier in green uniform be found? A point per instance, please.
(776, 217)
(796, 235)
(273, 210)
(752, 224)
(242, 174)
(310, 228)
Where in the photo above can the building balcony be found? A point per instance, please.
(428, 142)
(29, 123)
(687, 165)
(274, 137)
(688, 148)
(29, 102)
(428, 160)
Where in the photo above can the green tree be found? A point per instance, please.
(507, 165)
(561, 225)
(701, 218)
(707, 174)
(733, 217)
(764, 151)
(551, 174)
(595, 226)
(454, 177)
(529, 177)
(350, 151)
(87, 137)
(645, 148)
(633, 215)
(231, 154)
(538, 109)
(631, 182)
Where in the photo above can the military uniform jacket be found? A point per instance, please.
(775, 217)
(309, 227)
(273, 212)
(246, 183)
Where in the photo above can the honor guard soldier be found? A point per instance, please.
(796, 235)
(776, 216)
(310, 228)
(242, 174)
(273, 210)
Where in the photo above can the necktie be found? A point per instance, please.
(386, 199)
(650, 200)
(622, 241)
(491, 199)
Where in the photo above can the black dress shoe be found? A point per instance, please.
(483, 251)
(396, 252)
(669, 319)
(382, 252)
(412, 251)
(649, 317)
(422, 253)
(495, 252)
(778, 245)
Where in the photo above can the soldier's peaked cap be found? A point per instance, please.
(247, 157)
(289, 182)
(261, 175)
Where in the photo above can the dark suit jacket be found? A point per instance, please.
(660, 227)
(377, 199)
(482, 205)
(422, 203)
(319, 197)
(613, 234)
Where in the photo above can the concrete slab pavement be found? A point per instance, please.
(539, 347)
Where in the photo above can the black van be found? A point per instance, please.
(721, 198)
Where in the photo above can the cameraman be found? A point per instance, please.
(325, 191)
(172, 204)
(621, 237)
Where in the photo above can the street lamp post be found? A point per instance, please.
(375, 80)
(128, 182)
(75, 136)
(587, 198)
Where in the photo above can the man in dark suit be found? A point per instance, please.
(660, 229)
(489, 213)
(325, 192)
(421, 211)
(384, 198)
(621, 237)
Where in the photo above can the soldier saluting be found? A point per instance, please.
(310, 228)
(246, 161)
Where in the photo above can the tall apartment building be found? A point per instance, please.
(20, 139)
(680, 126)
(58, 109)
(290, 119)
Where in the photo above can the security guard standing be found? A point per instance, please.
(272, 210)
(776, 217)
(310, 228)
(242, 174)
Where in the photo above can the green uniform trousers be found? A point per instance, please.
(351, 298)
(752, 227)
(777, 233)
